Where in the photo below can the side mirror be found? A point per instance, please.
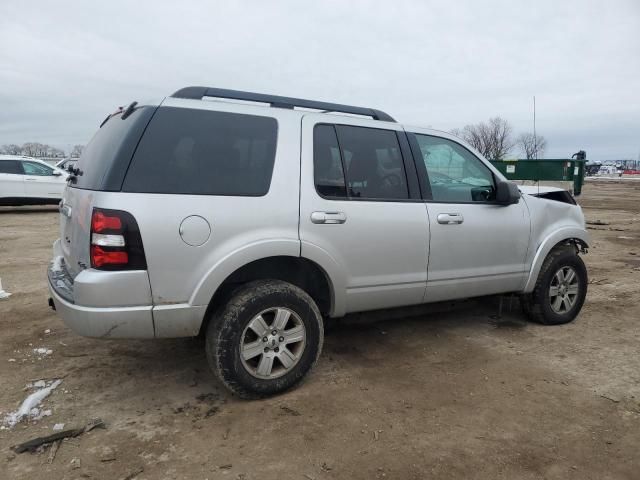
(507, 193)
(56, 173)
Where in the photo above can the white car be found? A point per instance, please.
(64, 164)
(28, 181)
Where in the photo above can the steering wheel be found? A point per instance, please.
(391, 180)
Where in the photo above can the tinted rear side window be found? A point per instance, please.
(203, 152)
(10, 166)
(104, 160)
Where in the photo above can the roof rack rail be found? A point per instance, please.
(197, 93)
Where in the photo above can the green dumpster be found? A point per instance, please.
(549, 169)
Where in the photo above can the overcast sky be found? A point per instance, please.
(64, 65)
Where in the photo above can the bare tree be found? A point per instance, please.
(77, 150)
(492, 139)
(35, 149)
(29, 149)
(54, 152)
(532, 146)
(501, 140)
(11, 149)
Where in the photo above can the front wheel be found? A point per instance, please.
(265, 339)
(560, 290)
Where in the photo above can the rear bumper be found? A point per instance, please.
(117, 304)
(129, 322)
(95, 319)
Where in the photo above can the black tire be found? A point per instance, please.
(537, 304)
(225, 333)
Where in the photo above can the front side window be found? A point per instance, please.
(202, 152)
(10, 166)
(454, 173)
(32, 168)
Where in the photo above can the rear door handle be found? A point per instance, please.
(328, 217)
(450, 218)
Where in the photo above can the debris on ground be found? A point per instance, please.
(52, 451)
(56, 264)
(614, 400)
(42, 351)
(596, 222)
(34, 444)
(289, 411)
(137, 471)
(108, 454)
(3, 294)
(29, 407)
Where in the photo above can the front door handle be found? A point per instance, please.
(328, 217)
(450, 218)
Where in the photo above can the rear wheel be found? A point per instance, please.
(560, 290)
(265, 339)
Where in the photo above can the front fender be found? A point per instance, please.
(553, 239)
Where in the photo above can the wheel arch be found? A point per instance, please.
(302, 272)
(575, 237)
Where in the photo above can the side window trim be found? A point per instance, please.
(409, 166)
(344, 177)
(423, 175)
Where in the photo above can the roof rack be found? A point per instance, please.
(197, 93)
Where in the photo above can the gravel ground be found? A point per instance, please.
(452, 393)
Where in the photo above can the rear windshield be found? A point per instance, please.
(105, 158)
(204, 152)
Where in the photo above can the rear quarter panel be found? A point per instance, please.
(242, 228)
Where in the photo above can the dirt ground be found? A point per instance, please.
(454, 393)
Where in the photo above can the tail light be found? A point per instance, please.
(115, 241)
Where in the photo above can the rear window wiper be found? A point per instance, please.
(124, 111)
(129, 110)
(74, 173)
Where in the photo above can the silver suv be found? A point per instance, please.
(249, 218)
